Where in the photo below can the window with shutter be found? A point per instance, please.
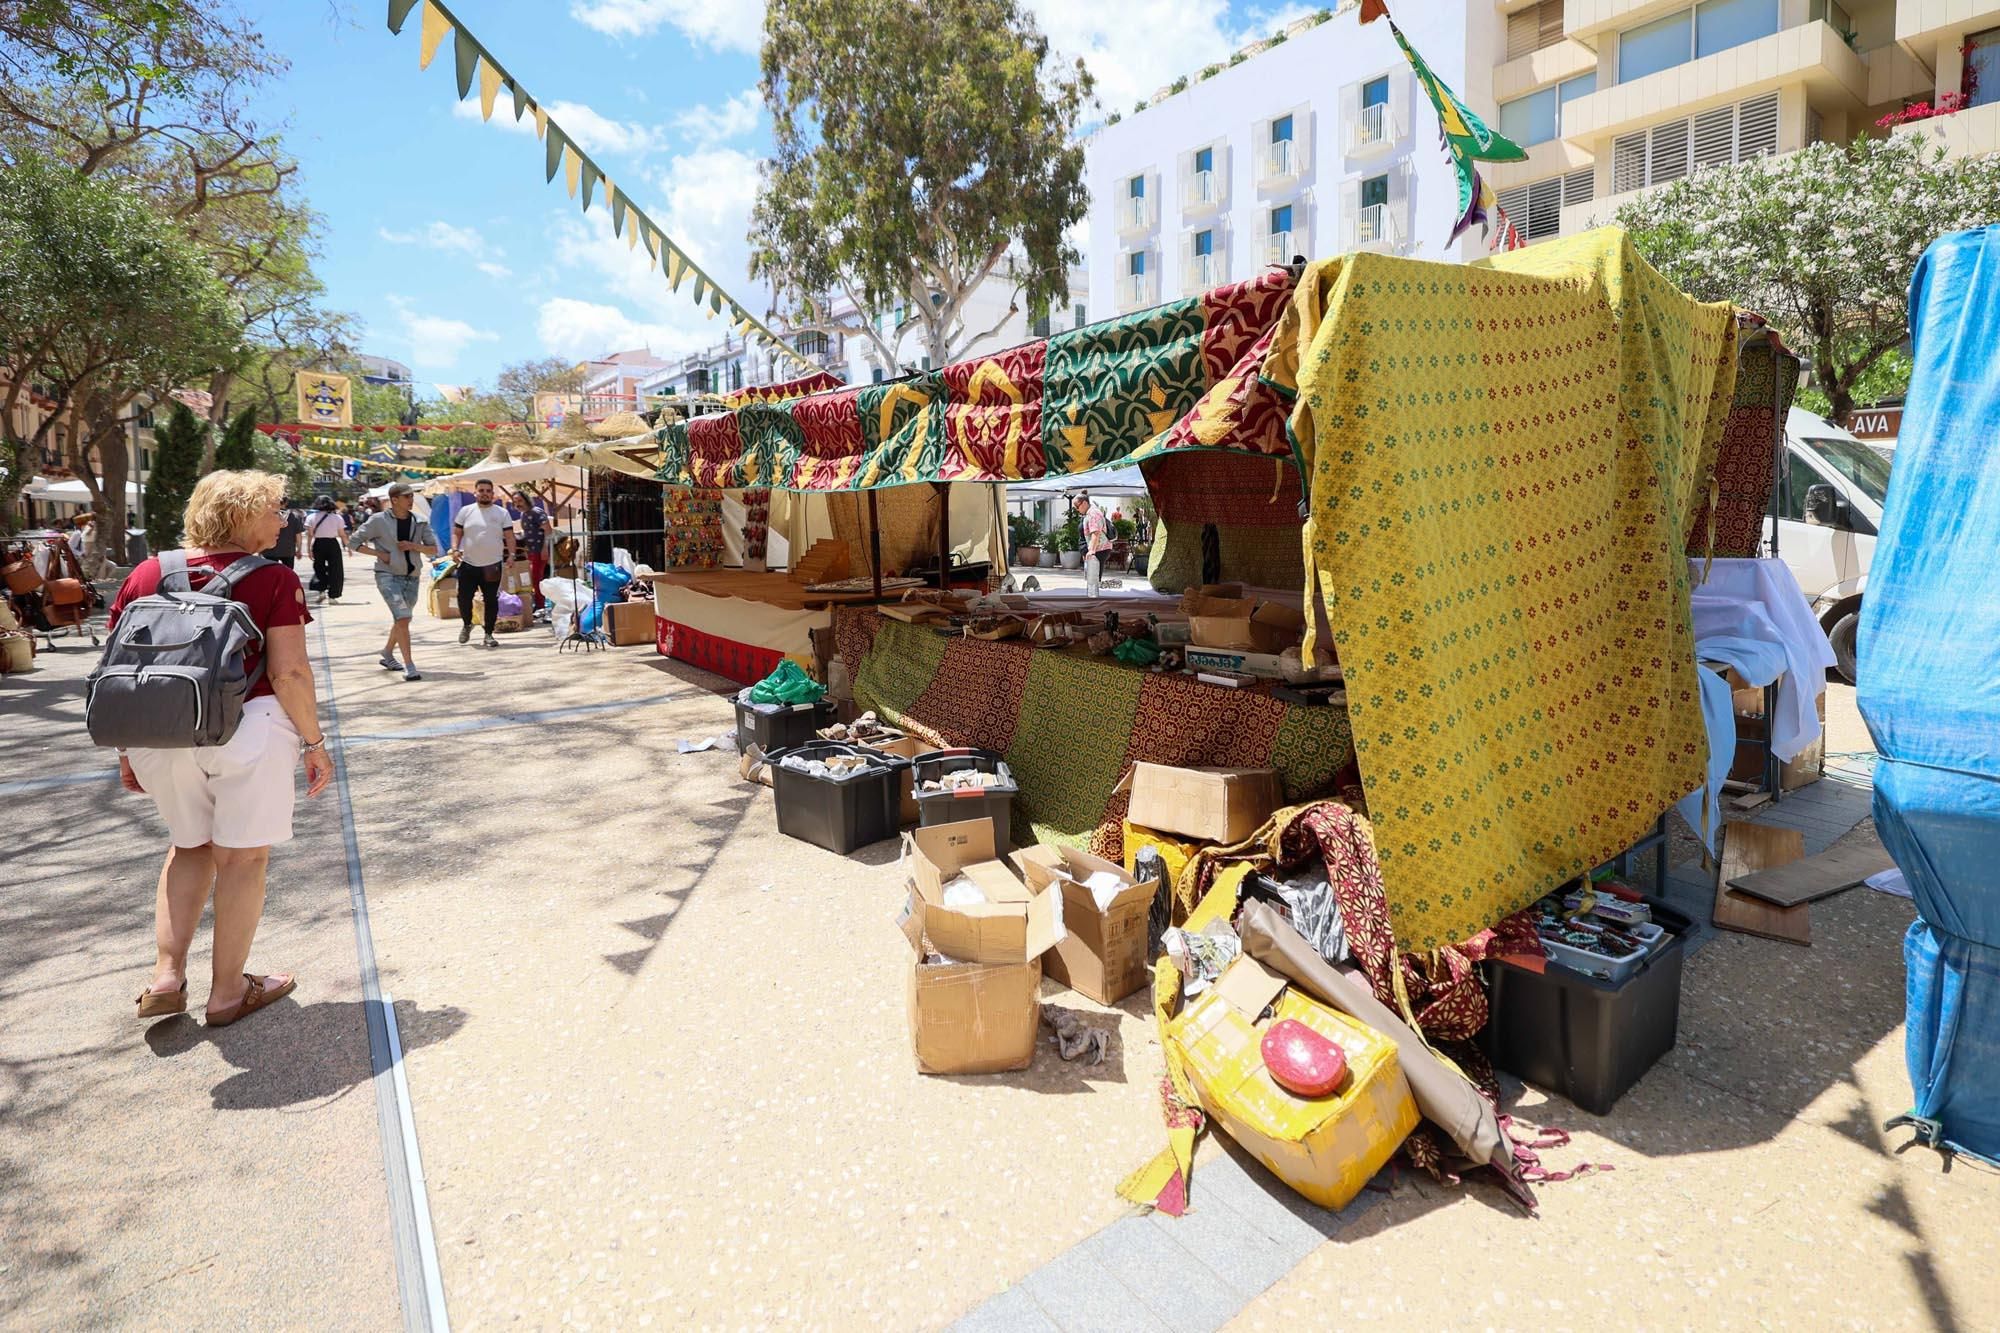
(1628, 162)
(1757, 127)
(1544, 209)
(1514, 203)
(1579, 187)
(1534, 28)
(1715, 137)
(1669, 152)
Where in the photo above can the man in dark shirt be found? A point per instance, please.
(535, 538)
(286, 549)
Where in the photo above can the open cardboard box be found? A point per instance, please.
(1244, 626)
(1102, 954)
(1213, 804)
(978, 1012)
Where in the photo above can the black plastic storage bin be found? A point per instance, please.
(1586, 1039)
(839, 814)
(783, 729)
(949, 807)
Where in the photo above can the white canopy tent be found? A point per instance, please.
(1103, 481)
(534, 471)
(70, 492)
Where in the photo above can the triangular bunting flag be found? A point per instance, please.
(714, 300)
(466, 52)
(541, 126)
(676, 266)
(399, 10)
(520, 102)
(434, 29)
(651, 239)
(591, 175)
(617, 201)
(553, 156)
(489, 88)
(700, 288)
(572, 170)
(632, 236)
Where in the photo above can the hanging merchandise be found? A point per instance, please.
(579, 170)
(693, 520)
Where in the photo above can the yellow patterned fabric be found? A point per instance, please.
(1501, 461)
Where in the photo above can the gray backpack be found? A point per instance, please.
(172, 675)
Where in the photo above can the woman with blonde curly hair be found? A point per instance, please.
(227, 805)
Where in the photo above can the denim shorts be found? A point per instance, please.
(399, 591)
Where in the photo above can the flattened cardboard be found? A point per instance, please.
(1102, 954)
(1012, 926)
(1250, 986)
(969, 1018)
(1214, 804)
(1245, 626)
(906, 747)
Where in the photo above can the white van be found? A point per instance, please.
(1827, 522)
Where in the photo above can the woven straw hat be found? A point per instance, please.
(509, 444)
(574, 430)
(619, 425)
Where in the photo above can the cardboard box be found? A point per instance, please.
(1213, 804)
(1245, 626)
(442, 598)
(630, 622)
(1264, 666)
(906, 747)
(1801, 770)
(518, 578)
(1102, 954)
(514, 624)
(977, 1009)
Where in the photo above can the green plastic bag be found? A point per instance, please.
(1137, 652)
(789, 684)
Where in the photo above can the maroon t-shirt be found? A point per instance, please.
(272, 595)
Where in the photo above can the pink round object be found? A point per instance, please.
(1301, 1061)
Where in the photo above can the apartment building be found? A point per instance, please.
(611, 383)
(1614, 97)
(1311, 145)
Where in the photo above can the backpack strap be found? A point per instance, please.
(222, 583)
(174, 570)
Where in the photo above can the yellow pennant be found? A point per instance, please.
(489, 88)
(434, 30)
(676, 268)
(572, 169)
(541, 121)
(631, 234)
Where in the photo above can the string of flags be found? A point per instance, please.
(581, 174)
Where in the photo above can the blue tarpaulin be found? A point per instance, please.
(1929, 668)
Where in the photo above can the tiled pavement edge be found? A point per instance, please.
(1246, 1230)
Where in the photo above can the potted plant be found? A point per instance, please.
(1068, 541)
(1027, 538)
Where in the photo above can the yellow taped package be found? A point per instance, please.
(1174, 853)
(1326, 1148)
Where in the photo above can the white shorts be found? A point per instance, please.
(235, 795)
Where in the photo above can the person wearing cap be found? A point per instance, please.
(326, 529)
(400, 543)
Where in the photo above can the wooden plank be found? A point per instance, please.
(1816, 876)
(1747, 848)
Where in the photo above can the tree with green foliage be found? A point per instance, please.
(104, 298)
(177, 452)
(237, 450)
(917, 152)
(515, 387)
(1821, 242)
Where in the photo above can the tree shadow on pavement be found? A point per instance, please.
(294, 1054)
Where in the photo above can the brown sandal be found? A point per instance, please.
(253, 999)
(159, 1004)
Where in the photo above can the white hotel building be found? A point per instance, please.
(1315, 145)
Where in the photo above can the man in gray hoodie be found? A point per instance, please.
(400, 542)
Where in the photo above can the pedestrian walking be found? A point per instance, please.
(482, 539)
(535, 530)
(400, 543)
(1096, 541)
(226, 806)
(327, 529)
(285, 550)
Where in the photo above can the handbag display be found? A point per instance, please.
(21, 576)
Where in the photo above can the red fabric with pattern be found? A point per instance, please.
(853, 635)
(741, 662)
(1229, 490)
(975, 698)
(993, 425)
(714, 448)
(1743, 480)
(1239, 315)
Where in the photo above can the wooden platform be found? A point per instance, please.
(771, 589)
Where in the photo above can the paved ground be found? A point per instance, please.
(661, 1076)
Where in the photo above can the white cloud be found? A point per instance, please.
(493, 270)
(576, 330)
(595, 133)
(440, 236)
(434, 341)
(1133, 47)
(706, 126)
(724, 25)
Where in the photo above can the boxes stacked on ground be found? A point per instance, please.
(837, 795)
(779, 726)
(1583, 1037)
(977, 936)
(629, 622)
(992, 798)
(1102, 954)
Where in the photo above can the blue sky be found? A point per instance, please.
(442, 236)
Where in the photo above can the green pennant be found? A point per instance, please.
(399, 10)
(646, 237)
(715, 300)
(700, 288)
(591, 175)
(467, 52)
(554, 150)
(618, 213)
(520, 101)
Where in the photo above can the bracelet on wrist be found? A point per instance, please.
(311, 746)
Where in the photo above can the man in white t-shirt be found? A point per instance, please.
(482, 538)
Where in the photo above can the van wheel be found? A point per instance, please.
(1841, 634)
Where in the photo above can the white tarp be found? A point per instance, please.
(507, 474)
(70, 492)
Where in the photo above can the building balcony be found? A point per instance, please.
(1280, 247)
(1811, 54)
(1925, 23)
(1967, 133)
(1378, 227)
(1137, 216)
(1200, 272)
(1278, 164)
(1138, 290)
(1894, 74)
(1588, 19)
(697, 361)
(1537, 69)
(1201, 193)
(1373, 132)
